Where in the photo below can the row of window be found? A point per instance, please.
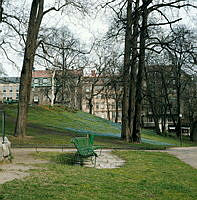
(112, 115)
(103, 96)
(40, 80)
(10, 95)
(104, 106)
(10, 91)
(150, 119)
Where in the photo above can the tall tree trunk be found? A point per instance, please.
(1, 10)
(178, 93)
(165, 89)
(53, 88)
(139, 90)
(127, 54)
(133, 73)
(91, 99)
(193, 134)
(107, 103)
(90, 106)
(63, 74)
(79, 93)
(35, 19)
(116, 105)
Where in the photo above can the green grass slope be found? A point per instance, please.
(57, 125)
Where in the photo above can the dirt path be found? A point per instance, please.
(186, 154)
(19, 166)
(23, 161)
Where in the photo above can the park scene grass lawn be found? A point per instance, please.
(145, 174)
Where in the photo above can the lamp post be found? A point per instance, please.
(180, 134)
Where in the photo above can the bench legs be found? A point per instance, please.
(93, 160)
(80, 160)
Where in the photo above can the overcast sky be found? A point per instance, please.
(86, 28)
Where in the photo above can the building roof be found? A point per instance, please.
(49, 73)
(42, 73)
(9, 79)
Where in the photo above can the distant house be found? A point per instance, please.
(99, 91)
(9, 88)
(62, 87)
(41, 86)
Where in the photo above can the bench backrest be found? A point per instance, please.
(81, 142)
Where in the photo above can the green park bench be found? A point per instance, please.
(85, 148)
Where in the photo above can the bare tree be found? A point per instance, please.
(136, 26)
(1, 10)
(180, 53)
(61, 52)
(36, 15)
(35, 19)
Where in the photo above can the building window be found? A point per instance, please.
(120, 115)
(102, 105)
(113, 115)
(87, 89)
(45, 80)
(17, 88)
(97, 105)
(97, 87)
(87, 106)
(36, 81)
(170, 119)
(98, 96)
(102, 96)
(5, 88)
(150, 119)
(119, 104)
(113, 106)
(36, 99)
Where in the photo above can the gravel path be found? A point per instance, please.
(186, 154)
(23, 161)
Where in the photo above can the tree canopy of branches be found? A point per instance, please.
(133, 18)
(60, 51)
(31, 43)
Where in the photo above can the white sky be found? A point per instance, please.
(84, 28)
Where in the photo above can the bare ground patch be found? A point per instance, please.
(24, 161)
(18, 168)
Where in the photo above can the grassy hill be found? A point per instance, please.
(56, 126)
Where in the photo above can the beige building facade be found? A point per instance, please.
(9, 88)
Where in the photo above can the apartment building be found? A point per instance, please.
(62, 87)
(100, 97)
(9, 88)
(41, 86)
